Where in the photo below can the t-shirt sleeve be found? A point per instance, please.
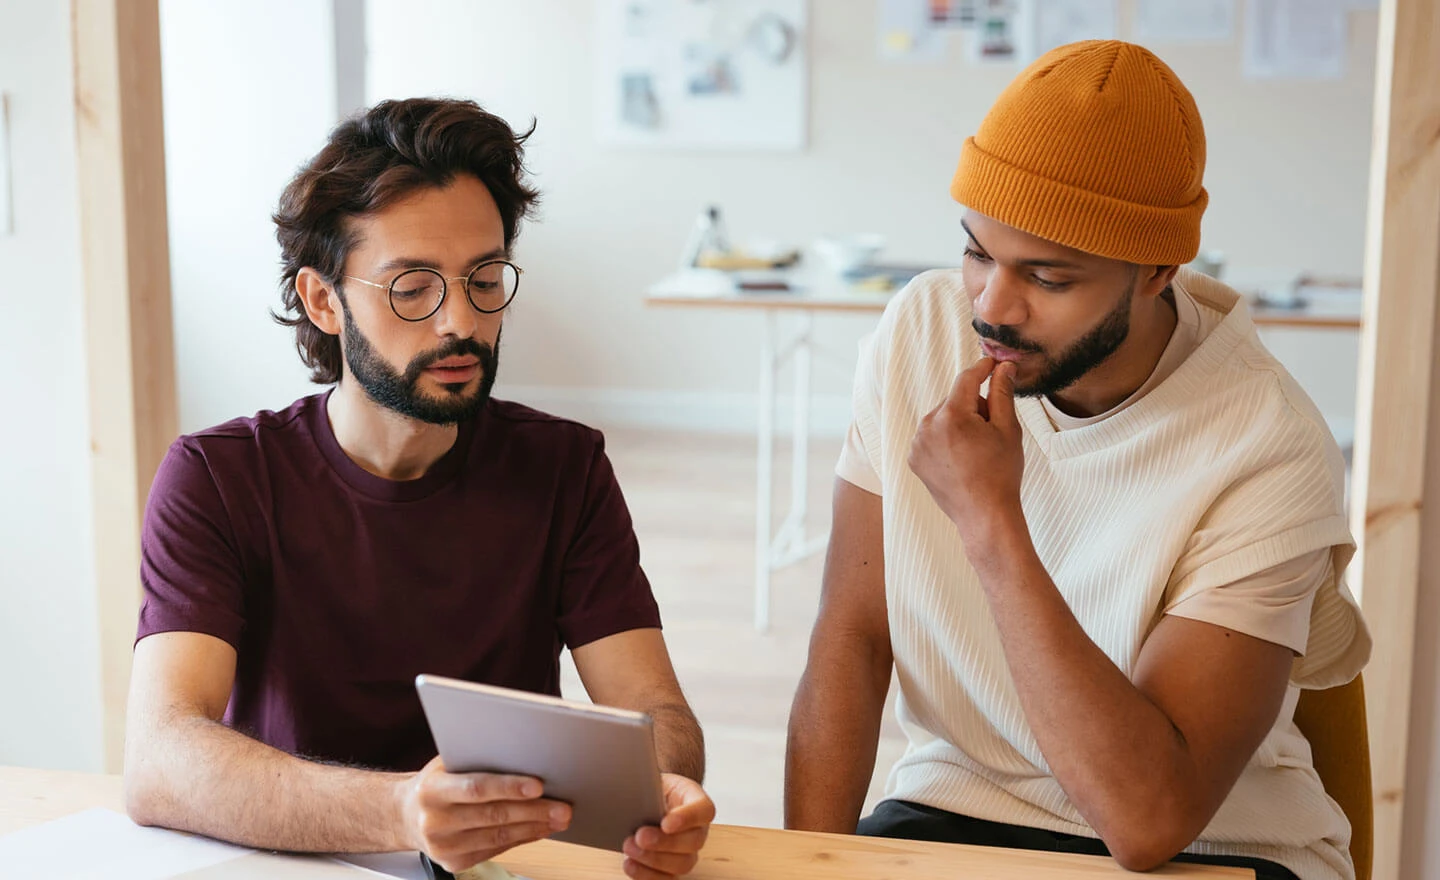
(604, 591)
(859, 462)
(1272, 550)
(191, 576)
(1273, 604)
(854, 465)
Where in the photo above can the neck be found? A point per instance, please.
(1152, 323)
(382, 441)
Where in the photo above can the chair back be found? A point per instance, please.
(1333, 720)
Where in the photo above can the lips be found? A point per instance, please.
(454, 363)
(999, 353)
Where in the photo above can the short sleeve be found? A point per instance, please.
(859, 462)
(854, 465)
(603, 591)
(1273, 604)
(1243, 559)
(191, 576)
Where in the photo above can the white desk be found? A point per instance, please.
(811, 293)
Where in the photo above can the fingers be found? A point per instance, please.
(1001, 401)
(477, 788)
(687, 806)
(653, 839)
(644, 864)
(459, 818)
(965, 393)
(465, 850)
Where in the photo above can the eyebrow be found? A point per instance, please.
(1034, 264)
(398, 263)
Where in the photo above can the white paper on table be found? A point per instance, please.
(1295, 39)
(1185, 21)
(1058, 22)
(101, 844)
(407, 866)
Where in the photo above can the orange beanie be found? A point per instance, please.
(1097, 146)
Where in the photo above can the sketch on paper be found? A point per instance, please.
(1185, 21)
(1058, 22)
(906, 31)
(701, 74)
(953, 13)
(1000, 34)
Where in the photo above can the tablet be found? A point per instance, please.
(599, 760)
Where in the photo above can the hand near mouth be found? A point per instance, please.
(969, 453)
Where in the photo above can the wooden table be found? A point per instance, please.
(29, 797)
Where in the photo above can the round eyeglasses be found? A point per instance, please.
(416, 294)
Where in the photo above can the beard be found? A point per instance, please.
(1080, 357)
(400, 392)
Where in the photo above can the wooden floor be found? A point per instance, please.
(693, 500)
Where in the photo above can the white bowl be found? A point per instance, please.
(844, 254)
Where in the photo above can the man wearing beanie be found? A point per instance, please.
(1104, 579)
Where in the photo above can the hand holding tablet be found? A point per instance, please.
(597, 763)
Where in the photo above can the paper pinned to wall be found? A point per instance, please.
(701, 74)
(1003, 33)
(952, 13)
(905, 31)
(1295, 39)
(1058, 22)
(1185, 21)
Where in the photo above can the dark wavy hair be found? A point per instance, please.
(372, 160)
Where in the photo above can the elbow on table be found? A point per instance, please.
(1149, 843)
(144, 795)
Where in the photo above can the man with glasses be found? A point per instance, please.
(301, 567)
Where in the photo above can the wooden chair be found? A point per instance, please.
(1333, 721)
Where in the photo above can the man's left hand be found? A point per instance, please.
(969, 452)
(673, 849)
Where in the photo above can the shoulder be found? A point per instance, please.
(552, 435)
(231, 453)
(266, 426)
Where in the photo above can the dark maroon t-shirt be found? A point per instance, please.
(337, 587)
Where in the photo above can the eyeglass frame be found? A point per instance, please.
(444, 288)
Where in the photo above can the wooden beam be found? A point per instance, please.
(1402, 284)
(125, 257)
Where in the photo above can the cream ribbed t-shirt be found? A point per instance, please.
(1215, 493)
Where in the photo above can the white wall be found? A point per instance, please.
(249, 97)
(1287, 176)
(49, 657)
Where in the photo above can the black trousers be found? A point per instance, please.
(910, 821)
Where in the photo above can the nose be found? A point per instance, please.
(456, 317)
(1001, 302)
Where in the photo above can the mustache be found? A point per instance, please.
(1006, 336)
(453, 348)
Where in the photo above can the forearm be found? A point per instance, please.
(834, 733)
(679, 742)
(1119, 758)
(194, 774)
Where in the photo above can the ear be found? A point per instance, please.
(1154, 279)
(322, 304)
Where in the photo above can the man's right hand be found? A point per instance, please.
(462, 819)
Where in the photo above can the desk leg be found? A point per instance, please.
(764, 471)
(800, 439)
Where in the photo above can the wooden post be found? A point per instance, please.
(126, 263)
(1402, 284)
